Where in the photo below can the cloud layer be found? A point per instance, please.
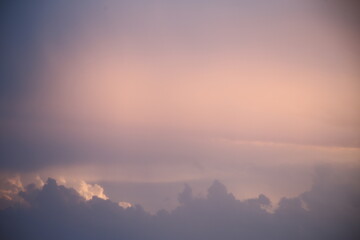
(330, 210)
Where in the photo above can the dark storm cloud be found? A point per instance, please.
(330, 210)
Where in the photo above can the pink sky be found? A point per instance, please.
(256, 95)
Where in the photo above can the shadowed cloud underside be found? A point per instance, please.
(330, 210)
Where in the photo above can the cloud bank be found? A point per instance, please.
(330, 210)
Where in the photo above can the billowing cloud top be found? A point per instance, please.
(330, 210)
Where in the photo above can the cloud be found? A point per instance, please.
(9, 190)
(329, 210)
(12, 186)
(124, 204)
(88, 191)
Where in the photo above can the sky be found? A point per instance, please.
(127, 106)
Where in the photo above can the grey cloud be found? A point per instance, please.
(330, 210)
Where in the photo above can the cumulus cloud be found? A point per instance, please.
(9, 190)
(124, 204)
(12, 186)
(329, 210)
(88, 191)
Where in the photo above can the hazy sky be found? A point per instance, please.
(130, 99)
